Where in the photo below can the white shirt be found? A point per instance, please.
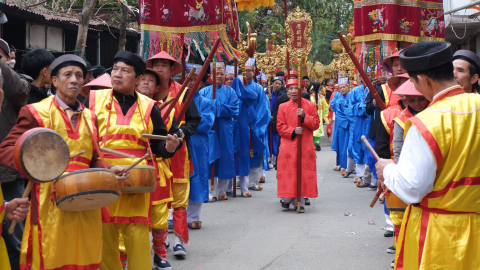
(413, 176)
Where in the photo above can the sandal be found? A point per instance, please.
(246, 194)
(336, 168)
(212, 199)
(195, 224)
(223, 197)
(346, 174)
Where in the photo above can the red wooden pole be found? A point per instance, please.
(365, 78)
(187, 102)
(299, 150)
(214, 73)
(184, 85)
(234, 180)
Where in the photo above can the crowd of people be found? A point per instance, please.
(234, 125)
(223, 133)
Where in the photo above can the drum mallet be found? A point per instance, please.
(147, 155)
(158, 137)
(25, 195)
(118, 153)
(370, 148)
(77, 154)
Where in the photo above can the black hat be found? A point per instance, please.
(98, 70)
(280, 73)
(305, 77)
(67, 60)
(427, 61)
(468, 56)
(131, 59)
(89, 66)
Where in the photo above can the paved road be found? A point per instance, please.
(254, 233)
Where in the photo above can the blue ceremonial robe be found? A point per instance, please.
(359, 121)
(252, 112)
(200, 143)
(341, 134)
(225, 109)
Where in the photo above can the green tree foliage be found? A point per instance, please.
(328, 16)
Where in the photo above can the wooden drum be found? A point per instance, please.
(394, 204)
(41, 155)
(142, 179)
(85, 190)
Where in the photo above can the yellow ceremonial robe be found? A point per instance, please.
(52, 238)
(443, 231)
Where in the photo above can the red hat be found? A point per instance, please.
(355, 83)
(388, 62)
(177, 67)
(335, 86)
(394, 82)
(292, 82)
(102, 81)
(407, 89)
(292, 73)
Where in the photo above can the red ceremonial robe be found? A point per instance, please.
(287, 120)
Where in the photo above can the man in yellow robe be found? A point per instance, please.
(437, 172)
(56, 239)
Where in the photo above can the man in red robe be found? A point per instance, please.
(287, 126)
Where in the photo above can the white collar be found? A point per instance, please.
(444, 90)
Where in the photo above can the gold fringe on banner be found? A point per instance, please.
(396, 37)
(190, 29)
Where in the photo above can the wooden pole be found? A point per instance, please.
(365, 78)
(25, 195)
(177, 97)
(234, 180)
(375, 155)
(187, 102)
(214, 85)
(299, 141)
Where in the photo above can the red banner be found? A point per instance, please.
(231, 16)
(299, 28)
(400, 20)
(182, 16)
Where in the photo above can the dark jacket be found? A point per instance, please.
(37, 94)
(16, 89)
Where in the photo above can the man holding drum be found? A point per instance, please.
(52, 235)
(123, 116)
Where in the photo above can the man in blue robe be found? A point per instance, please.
(360, 125)
(253, 120)
(225, 109)
(342, 125)
(199, 149)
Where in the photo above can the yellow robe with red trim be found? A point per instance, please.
(163, 192)
(443, 232)
(124, 135)
(180, 164)
(4, 261)
(52, 238)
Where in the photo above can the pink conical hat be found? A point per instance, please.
(102, 81)
(407, 89)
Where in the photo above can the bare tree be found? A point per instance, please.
(87, 11)
(123, 28)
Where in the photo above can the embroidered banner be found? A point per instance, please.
(169, 25)
(399, 20)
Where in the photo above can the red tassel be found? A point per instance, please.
(105, 215)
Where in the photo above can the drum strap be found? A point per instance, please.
(155, 165)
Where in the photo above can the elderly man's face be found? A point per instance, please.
(148, 85)
(397, 67)
(192, 81)
(123, 78)
(68, 82)
(293, 92)
(229, 79)
(462, 74)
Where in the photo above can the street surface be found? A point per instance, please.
(254, 233)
